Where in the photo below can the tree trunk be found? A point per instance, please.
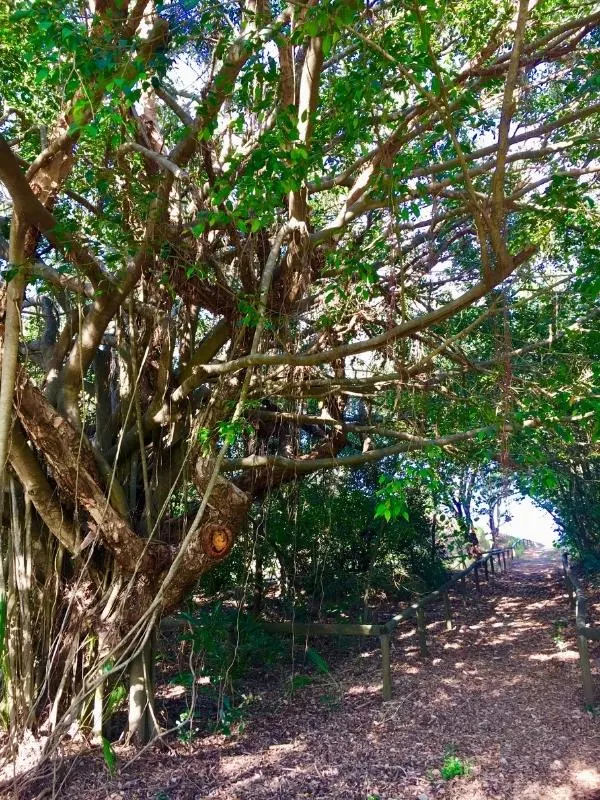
(142, 727)
(494, 521)
(259, 583)
(433, 544)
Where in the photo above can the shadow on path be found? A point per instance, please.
(502, 691)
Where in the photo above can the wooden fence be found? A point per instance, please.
(584, 631)
(488, 564)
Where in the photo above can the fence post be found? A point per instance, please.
(476, 574)
(568, 584)
(586, 672)
(386, 666)
(422, 631)
(504, 559)
(499, 563)
(448, 610)
(463, 591)
(492, 566)
(486, 570)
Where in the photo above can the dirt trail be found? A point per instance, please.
(502, 689)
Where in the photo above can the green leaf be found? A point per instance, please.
(317, 660)
(110, 759)
(10, 273)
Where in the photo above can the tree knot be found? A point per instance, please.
(217, 540)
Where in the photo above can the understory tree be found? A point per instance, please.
(331, 542)
(568, 486)
(477, 488)
(244, 243)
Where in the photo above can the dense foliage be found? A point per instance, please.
(245, 243)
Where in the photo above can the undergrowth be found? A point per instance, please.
(453, 766)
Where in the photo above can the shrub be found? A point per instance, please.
(453, 766)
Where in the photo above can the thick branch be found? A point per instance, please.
(306, 464)
(404, 329)
(42, 495)
(74, 470)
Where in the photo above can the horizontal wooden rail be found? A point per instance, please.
(583, 630)
(324, 628)
(416, 610)
(438, 594)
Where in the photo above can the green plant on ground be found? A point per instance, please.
(185, 727)
(321, 667)
(317, 661)
(110, 759)
(232, 719)
(297, 682)
(116, 696)
(227, 645)
(558, 631)
(453, 766)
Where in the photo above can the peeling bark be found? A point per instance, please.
(74, 470)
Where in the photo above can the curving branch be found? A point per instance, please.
(404, 329)
(307, 464)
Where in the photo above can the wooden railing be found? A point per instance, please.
(417, 610)
(584, 631)
(486, 563)
(530, 544)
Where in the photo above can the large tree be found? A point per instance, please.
(248, 242)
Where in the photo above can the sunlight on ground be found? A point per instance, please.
(234, 765)
(565, 655)
(540, 605)
(587, 778)
(354, 691)
(285, 746)
(406, 634)
(452, 682)
(515, 628)
(172, 692)
(537, 791)
(28, 754)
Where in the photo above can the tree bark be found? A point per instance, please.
(142, 717)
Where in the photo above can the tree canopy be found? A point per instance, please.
(247, 242)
